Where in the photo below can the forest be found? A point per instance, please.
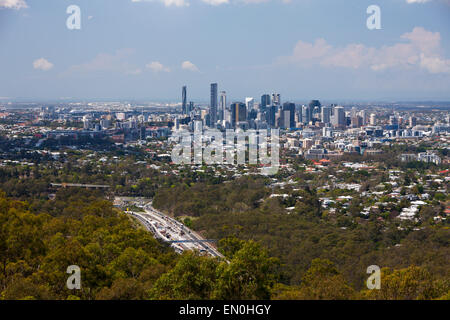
(120, 260)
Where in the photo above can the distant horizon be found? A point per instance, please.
(230, 100)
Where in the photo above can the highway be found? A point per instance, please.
(174, 232)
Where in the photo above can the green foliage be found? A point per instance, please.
(412, 283)
(193, 277)
(251, 274)
(36, 249)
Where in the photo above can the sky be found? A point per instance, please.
(148, 49)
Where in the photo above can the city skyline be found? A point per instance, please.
(146, 50)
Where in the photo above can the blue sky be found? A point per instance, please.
(148, 49)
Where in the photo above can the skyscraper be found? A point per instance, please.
(271, 112)
(238, 112)
(184, 100)
(326, 115)
(373, 119)
(265, 102)
(363, 115)
(314, 107)
(249, 102)
(339, 119)
(276, 99)
(213, 106)
(222, 105)
(288, 115)
(306, 115)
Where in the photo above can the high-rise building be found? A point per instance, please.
(306, 115)
(412, 121)
(357, 121)
(222, 105)
(326, 115)
(299, 118)
(265, 102)
(363, 115)
(252, 114)
(86, 123)
(142, 132)
(276, 99)
(213, 105)
(271, 113)
(249, 103)
(198, 125)
(184, 100)
(314, 107)
(105, 123)
(373, 119)
(393, 121)
(238, 113)
(288, 115)
(339, 119)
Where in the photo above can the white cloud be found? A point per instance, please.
(42, 64)
(419, 49)
(187, 65)
(308, 51)
(13, 4)
(157, 66)
(435, 64)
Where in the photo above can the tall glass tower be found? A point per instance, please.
(213, 106)
(184, 100)
(222, 105)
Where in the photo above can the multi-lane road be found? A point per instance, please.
(174, 232)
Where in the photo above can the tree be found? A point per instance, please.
(193, 277)
(322, 281)
(412, 283)
(249, 275)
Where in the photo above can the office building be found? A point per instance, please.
(276, 99)
(184, 109)
(222, 105)
(326, 115)
(339, 119)
(288, 115)
(238, 113)
(213, 105)
(265, 102)
(373, 119)
(249, 103)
